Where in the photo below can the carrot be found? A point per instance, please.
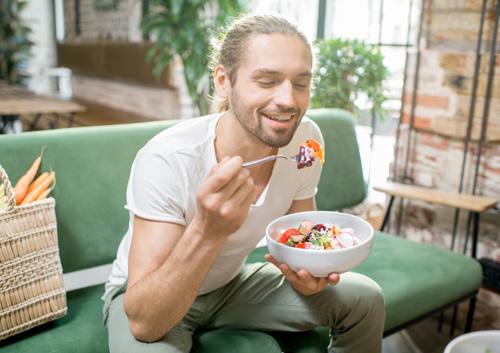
(36, 192)
(23, 183)
(46, 193)
(37, 182)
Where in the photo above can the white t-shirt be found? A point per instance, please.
(167, 172)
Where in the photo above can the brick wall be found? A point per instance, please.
(121, 24)
(443, 101)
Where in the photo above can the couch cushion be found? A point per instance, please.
(80, 331)
(418, 278)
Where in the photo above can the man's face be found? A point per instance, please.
(272, 87)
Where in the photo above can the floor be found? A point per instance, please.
(423, 337)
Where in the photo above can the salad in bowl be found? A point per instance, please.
(321, 242)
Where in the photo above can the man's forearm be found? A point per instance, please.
(163, 288)
(160, 300)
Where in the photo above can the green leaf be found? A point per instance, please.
(15, 46)
(347, 68)
(177, 6)
(185, 28)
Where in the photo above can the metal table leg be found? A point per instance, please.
(35, 120)
(387, 214)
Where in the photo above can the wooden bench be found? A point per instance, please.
(473, 203)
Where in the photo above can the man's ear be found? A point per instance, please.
(221, 82)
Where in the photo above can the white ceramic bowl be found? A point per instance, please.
(475, 342)
(320, 263)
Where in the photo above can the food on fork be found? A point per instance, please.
(309, 151)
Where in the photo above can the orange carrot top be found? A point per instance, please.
(39, 189)
(23, 183)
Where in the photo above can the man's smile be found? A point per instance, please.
(279, 117)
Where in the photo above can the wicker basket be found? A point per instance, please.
(31, 282)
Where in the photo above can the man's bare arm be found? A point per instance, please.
(168, 263)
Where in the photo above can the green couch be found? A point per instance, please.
(92, 166)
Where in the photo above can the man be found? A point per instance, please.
(195, 213)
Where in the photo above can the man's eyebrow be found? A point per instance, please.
(265, 71)
(306, 74)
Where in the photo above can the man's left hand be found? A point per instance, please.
(302, 280)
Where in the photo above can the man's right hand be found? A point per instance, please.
(167, 260)
(224, 198)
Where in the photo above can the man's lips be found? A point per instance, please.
(280, 116)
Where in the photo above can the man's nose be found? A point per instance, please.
(284, 95)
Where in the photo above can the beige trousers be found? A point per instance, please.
(261, 299)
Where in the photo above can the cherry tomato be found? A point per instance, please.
(286, 235)
(303, 245)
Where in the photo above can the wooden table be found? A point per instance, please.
(16, 100)
(473, 203)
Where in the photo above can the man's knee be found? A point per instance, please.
(121, 339)
(364, 293)
(372, 291)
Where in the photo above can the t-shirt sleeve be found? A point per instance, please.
(310, 175)
(154, 190)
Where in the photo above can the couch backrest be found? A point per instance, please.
(342, 184)
(92, 166)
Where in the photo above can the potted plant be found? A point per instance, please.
(15, 46)
(185, 28)
(347, 69)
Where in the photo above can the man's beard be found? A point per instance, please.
(277, 138)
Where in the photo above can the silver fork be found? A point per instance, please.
(295, 159)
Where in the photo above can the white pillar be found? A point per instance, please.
(39, 16)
